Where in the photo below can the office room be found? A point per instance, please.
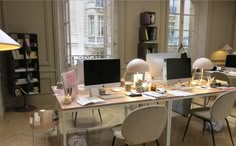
(53, 36)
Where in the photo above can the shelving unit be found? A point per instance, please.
(147, 34)
(23, 68)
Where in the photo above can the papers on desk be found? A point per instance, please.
(153, 94)
(179, 93)
(88, 100)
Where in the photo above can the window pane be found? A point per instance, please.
(173, 38)
(186, 38)
(186, 22)
(174, 22)
(188, 7)
(174, 6)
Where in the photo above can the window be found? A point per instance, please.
(91, 25)
(88, 30)
(100, 26)
(99, 3)
(181, 16)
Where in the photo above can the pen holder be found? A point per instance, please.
(67, 99)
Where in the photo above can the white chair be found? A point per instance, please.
(219, 110)
(142, 125)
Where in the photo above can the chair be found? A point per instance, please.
(144, 124)
(219, 110)
(221, 76)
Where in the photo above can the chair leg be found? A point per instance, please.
(157, 142)
(75, 118)
(227, 122)
(126, 144)
(113, 141)
(100, 115)
(144, 144)
(186, 127)
(212, 133)
(204, 125)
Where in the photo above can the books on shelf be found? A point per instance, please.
(23, 69)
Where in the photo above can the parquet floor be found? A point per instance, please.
(15, 130)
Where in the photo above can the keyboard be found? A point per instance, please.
(111, 96)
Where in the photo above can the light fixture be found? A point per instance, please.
(227, 48)
(203, 64)
(7, 43)
(137, 66)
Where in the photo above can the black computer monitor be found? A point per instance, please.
(230, 61)
(178, 70)
(101, 73)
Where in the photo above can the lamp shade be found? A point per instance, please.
(7, 43)
(202, 63)
(227, 47)
(137, 65)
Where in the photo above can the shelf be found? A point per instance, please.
(23, 69)
(24, 81)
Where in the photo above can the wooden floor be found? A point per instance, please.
(15, 130)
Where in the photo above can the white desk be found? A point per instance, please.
(125, 101)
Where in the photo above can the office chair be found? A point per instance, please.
(219, 76)
(142, 125)
(219, 110)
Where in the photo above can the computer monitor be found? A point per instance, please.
(99, 73)
(156, 62)
(177, 70)
(230, 62)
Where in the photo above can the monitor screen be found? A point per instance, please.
(156, 62)
(101, 72)
(178, 69)
(230, 61)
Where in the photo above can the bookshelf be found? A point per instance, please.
(23, 68)
(147, 34)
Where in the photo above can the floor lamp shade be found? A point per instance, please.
(137, 66)
(7, 43)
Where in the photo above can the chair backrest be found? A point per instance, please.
(144, 124)
(222, 106)
(221, 76)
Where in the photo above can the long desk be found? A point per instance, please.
(126, 101)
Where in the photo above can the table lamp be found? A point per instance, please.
(6, 43)
(202, 63)
(227, 48)
(137, 66)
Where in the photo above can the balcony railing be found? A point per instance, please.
(96, 40)
(75, 58)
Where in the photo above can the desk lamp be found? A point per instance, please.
(137, 66)
(202, 63)
(227, 48)
(6, 43)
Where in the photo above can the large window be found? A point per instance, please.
(88, 29)
(181, 16)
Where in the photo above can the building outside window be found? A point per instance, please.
(181, 16)
(87, 26)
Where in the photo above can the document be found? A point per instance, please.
(153, 94)
(179, 93)
(88, 100)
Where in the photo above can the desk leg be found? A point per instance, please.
(168, 131)
(63, 128)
